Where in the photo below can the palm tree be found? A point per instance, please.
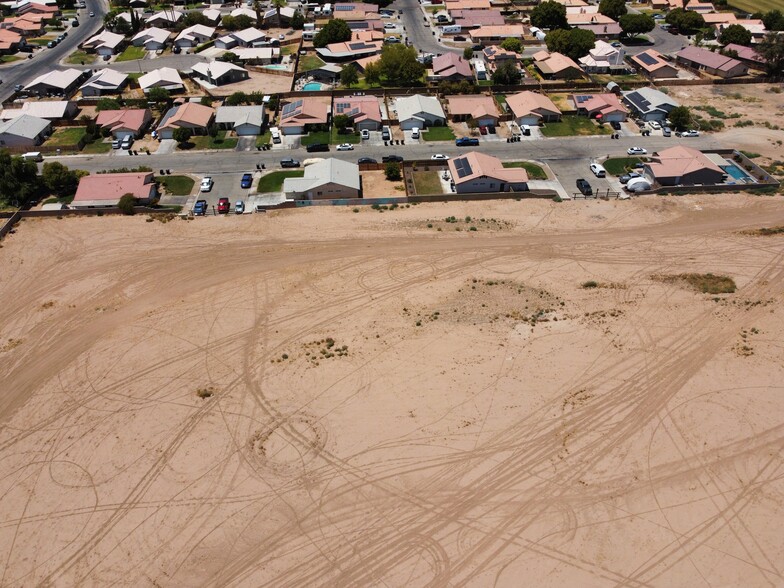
(278, 4)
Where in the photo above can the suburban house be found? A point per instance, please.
(350, 50)
(244, 38)
(602, 31)
(219, 73)
(717, 18)
(683, 166)
(329, 178)
(712, 63)
(453, 67)
(701, 7)
(212, 14)
(45, 10)
(191, 115)
(257, 55)
(419, 111)
(477, 172)
(556, 66)
(605, 107)
(471, 19)
(270, 17)
(194, 36)
(51, 110)
(11, 42)
(106, 81)
(495, 55)
(242, 11)
(649, 104)
(754, 25)
(478, 107)
(359, 16)
(24, 26)
(165, 19)
(152, 39)
(495, 34)
(24, 131)
(126, 122)
(56, 82)
(105, 190)
(105, 43)
(243, 120)
(651, 64)
(299, 116)
(468, 5)
(532, 108)
(587, 17)
(164, 77)
(603, 58)
(745, 55)
(364, 112)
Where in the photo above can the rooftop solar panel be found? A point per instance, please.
(581, 99)
(647, 59)
(292, 107)
(463, 167)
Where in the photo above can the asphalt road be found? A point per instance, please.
(419, 33)
(22, 72)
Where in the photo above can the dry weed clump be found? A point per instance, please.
(205, 393)
(11, 344)
(705, 283)
(590, 284)
(764, 232)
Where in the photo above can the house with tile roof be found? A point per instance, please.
(711, 62)
(326, 179)
(364, 112)
(532, 108)
(603, 58)
(651, 64)
(190, 115)
(649, 104)
(300, 115)
(479, 107)
(495, 34)
(683, 166)
(451, 66)
(127, 122)
(105, 190)
(556, 66)
(606, 107)
(476, 172)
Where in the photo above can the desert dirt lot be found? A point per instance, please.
(321, 397)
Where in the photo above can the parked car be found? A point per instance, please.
(289, 163)
(127, 142)
(392, 39)
(239, 207)
(584, 187)
(345, 147)
(636, 151)
(116, 144)
(691, 133)
(615, 125)
(439, 157)
(491, 129)
(176, 49)
(52, 43)
(223, 206)
(246, 181)
(483, 130)
(666, 132)
(467, 142)
(365, 134)
(18, 88)
(598, 170)
(206, 184)
(200, 208)
(366, 160)
(654, 125)
(92, 14)
(626, 177)
(615, 44)
(392, 158)
(317, 147)
(390, 25)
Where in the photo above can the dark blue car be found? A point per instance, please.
(467, 142)
(246, 181)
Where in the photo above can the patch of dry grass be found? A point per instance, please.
(705, 283)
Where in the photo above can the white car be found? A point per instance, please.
(439, 157)
(206, 184)
(654, 125)
(365, 134)
(345, 147)
(690, 134)
(390, 25)
(636, 151)
(392, 39)
(598, 170)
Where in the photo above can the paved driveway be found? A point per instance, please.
(167, 146)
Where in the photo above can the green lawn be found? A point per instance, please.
(438, 134)
(78, 57)
(287, 49)
(131, 52)
(500, 99)
(66, 136)
(337, 139)
(9, 58)
(427, 182)
(571, 125)
(218, 142)
(753, 6)
(264, 139)
(97, 147)
(134, 75)
(313, 138)
(618, 166)
(176, 185)
(39, 41)
(273, 182)
(535, 172)
(308, 62)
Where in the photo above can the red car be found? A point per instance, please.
(483, 130)
(223, 206)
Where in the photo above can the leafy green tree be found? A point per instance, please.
(512, 44)
(373, 73)
(159, 96)
(549, 15)
(680, 118)
(615, 9)
(278, 4)
(230, 57)
(182, 135)
(399, 64)
(773, 20)
(60, 180)
(507, 74)
(636, 24)
(574, 43)
(392, 171)
(348, 75)
(205, 101)
(18, 178)
(107, 104)
(341, 121)
(685, 20)
(335, 31)
(297, 21)
(771, 49)
(193, 18)
(468, 53)
(735, 33)
(236, 99)
(126, 204)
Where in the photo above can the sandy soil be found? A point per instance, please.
(376, 185)
(321, 397)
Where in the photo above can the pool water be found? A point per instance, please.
(735, 172)
(310, 86)
(279, 66)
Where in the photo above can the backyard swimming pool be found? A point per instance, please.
(311, 86)
(278, 66)
(737, 173)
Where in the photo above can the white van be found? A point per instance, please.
(326, 9)
(275, 134)
(33, 156)
(525, 130)
(415, 133)
(451, 29)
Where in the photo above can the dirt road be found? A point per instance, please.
(322, 397)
